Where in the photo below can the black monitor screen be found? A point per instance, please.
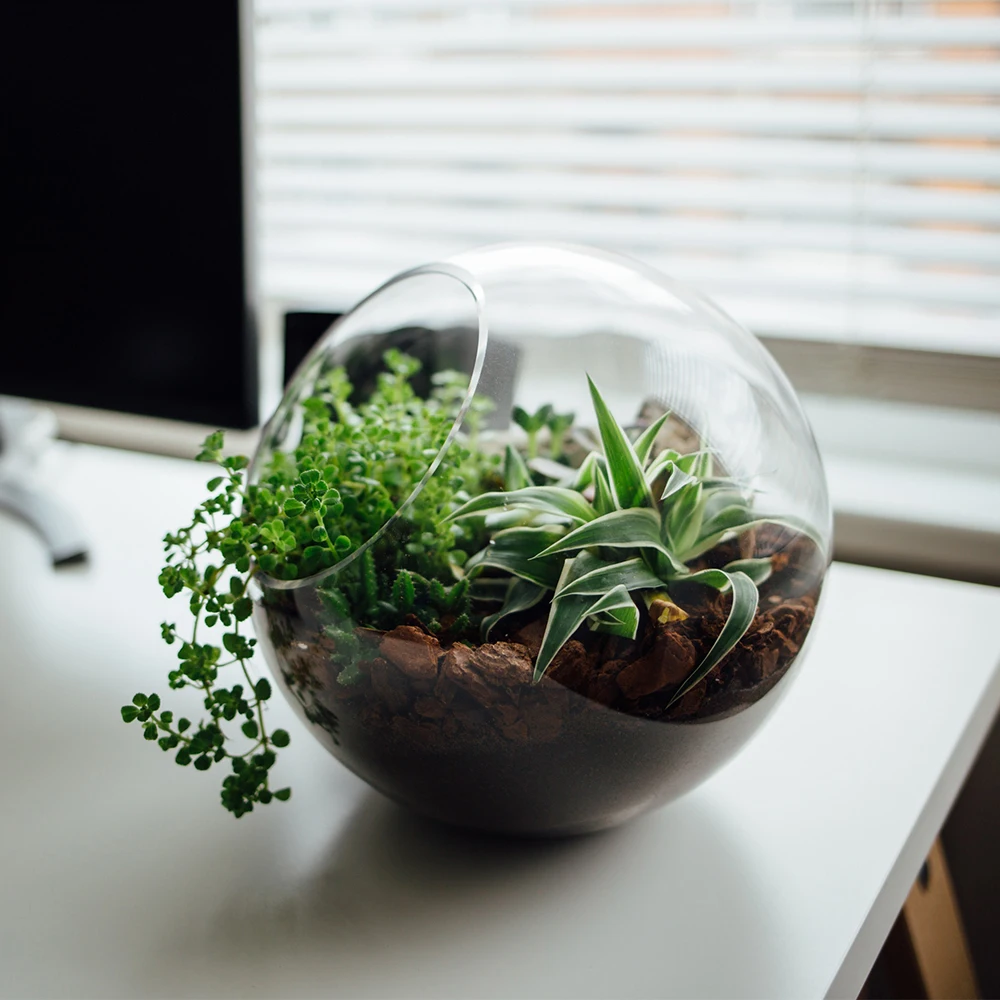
(122, 280)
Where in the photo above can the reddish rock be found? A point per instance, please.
(504, 664)
(413, 651)
(670, 660)
(458, 667)
(444, 688)
(602, 689)
(571, 666)
(530, 636)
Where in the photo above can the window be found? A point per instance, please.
(828, 170)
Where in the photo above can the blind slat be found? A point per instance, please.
(702, 114)
(477, 31)
(825, 168)
(476, 224)
(917, 161)
(795, 74)
(820, 197)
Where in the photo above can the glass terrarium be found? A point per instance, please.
(549, 534)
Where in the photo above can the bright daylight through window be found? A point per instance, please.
(825, 169)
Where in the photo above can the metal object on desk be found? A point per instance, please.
(26, 431)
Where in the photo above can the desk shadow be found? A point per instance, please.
(392, 885)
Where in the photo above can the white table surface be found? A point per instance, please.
(120, 875)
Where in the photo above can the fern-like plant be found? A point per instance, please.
(603, 555)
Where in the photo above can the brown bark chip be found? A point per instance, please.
(413, 651)
(530, 636)
(504, 664)
(457, 667)
(670, 660)
(571, 666)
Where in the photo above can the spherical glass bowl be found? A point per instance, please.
(567, 576)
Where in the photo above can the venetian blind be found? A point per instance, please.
(825, 169)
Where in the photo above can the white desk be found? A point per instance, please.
(120, 875)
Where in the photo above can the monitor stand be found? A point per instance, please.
(26, 431)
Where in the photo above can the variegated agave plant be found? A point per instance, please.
(602, 558)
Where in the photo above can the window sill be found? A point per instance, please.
(922, 518)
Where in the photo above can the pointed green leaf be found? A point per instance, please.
(717, 578)
(658, 464)
(604, 500)
(638, 528)
(551, 499)
(624, 468)
(741, 615)
(677, 479)
(498, 520)
(623, 622)
(757, 569)
(685, 518)
(565, 617)
(564, 475)
(618, 606)
(585, 474)
(515, 473)
(731, 516)
(632, 574)
(724, 496)
(644, 443)
(569, 613)
(521, 595)
(698, 463)
(517, 551)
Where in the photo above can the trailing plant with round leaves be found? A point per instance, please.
(598, 556)
(353, 469)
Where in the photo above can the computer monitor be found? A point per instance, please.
(125, 281)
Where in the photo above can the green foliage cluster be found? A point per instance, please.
(592, 555)
(533, 424)
(353, 469)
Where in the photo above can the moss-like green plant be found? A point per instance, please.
(598, 556)
(354, 468)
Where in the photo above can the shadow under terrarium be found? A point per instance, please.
(483, 915)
